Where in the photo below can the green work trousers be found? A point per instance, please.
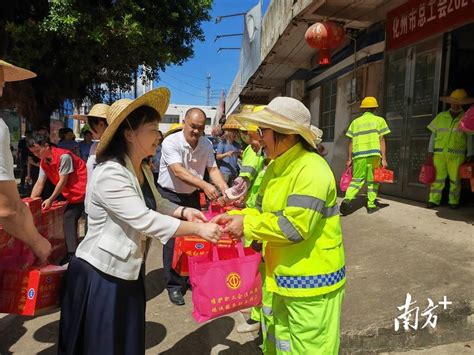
(363, 169)
(264, 315)
(308, 325)
(446, 164)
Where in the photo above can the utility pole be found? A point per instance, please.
(208, 89)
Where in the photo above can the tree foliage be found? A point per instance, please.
(76, 46)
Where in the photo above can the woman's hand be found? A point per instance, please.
(234, 225)
(209, 231)
(46, 205)
(194, 215)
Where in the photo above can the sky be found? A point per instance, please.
(188, 82)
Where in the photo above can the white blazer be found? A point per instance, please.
(119, 219)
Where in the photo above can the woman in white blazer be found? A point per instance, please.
(103, 303)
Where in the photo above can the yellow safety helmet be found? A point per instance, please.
(369, 102)
(175, 127)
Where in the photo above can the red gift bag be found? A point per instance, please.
(466, 171)
(427, 174)
(382, 175)
(30, 291)
(224, 281)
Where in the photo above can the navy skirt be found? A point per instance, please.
(101, 314)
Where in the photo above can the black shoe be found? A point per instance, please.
(371, 210)
(345, 207)
(454, 206)
(176, 297)
(431, 205)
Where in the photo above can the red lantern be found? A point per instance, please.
(325, 36)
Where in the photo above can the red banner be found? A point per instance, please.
(418, 19)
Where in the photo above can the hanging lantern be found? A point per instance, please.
(325, 36)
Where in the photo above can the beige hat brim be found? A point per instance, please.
(453, 101)
(98, 110)
(158, 99)
(14, 73)
(269, 119)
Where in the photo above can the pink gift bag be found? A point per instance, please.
(427, 174)
(224, 281)
(346, 179)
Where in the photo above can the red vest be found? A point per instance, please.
(75, 189)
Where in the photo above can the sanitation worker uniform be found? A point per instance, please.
(296, 216)
(449, 149)
(365, 132)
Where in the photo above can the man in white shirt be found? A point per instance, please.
(15, 217)
(185, 156)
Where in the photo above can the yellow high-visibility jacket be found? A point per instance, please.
(448, 137)
(298, 219)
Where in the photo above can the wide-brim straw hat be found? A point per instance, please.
(285, 115)
(458, 97)
(98, 110)
(14, 73)
(175, 127)
(232, 123)
(158, 99)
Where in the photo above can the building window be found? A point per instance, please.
(170, 119)
(328, 110)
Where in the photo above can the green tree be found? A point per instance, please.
(76, 46)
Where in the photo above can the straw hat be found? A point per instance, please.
(98, 110)
(158, 99)
(232, 123)
(175, 127)
(287, 116)
(458, 97)
(13, 73)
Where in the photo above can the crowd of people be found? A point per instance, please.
(135, 185)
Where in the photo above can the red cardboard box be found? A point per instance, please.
(383, 176)
(31, 291)
(192, 246)
(466, 171)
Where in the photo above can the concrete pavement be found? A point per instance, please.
(402, 249)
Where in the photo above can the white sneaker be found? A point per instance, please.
(247, 328)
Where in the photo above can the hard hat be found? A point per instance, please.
(369, 102)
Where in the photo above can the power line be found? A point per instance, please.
(196, 77)
(181, 90)
(186, 83)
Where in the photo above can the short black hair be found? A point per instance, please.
(38, 138)
(94, 121)
(117, 148)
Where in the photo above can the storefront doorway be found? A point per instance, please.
(411, 101)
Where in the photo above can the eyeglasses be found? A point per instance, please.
(260, 132)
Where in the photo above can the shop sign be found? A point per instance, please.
(419, 19)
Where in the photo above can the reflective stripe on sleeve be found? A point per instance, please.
(248, 170)
(312, 203)
(290, 232)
